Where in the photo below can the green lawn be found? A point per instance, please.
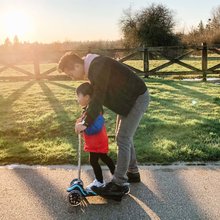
(37, 120)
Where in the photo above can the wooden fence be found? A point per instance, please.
(174, 55)
(169, 55)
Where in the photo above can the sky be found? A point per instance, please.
(81, 20)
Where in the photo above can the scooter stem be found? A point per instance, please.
(79, 156)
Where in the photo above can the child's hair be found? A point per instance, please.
(68, 60)
(85, 89)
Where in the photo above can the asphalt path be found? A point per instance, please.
(166, 192)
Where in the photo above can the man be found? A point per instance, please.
(119, 89)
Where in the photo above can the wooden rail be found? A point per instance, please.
(146, 54)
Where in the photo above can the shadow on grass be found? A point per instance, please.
(8, 139)
(64, 120)
(166, 142)
(62, 115)
(176, 109)
(172, 106)
(185, 90)
(7, 103)
(11, 139)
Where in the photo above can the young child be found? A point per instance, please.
(95, 137)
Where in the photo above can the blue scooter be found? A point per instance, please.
(76, 190)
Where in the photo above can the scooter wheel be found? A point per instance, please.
(75, 198)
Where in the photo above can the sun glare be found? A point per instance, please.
(17, 23)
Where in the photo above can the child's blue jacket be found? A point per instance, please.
(96, 126)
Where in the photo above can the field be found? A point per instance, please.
(37, 120)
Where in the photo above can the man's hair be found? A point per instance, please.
(68, 60)
(85, 89)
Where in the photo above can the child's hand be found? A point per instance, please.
(79, 127)
(78, 120)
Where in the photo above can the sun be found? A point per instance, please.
(16, 23)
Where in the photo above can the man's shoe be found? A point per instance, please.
(133, 177)
(112, 191)
(126, 189)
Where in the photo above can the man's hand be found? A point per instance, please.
(79, 127)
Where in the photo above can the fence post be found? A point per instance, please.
(146, 62)
(204, 60)
(89, 50)
(36, 64)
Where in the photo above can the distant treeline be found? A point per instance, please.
(60, 46)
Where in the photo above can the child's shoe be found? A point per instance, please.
(95, 183)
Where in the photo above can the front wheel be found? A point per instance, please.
(75, 198)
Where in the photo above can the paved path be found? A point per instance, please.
(166, 192)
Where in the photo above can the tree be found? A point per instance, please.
(209, 33)
(215, 25)
(201, 27)
(7, 42)
(215, 18)
(16, 40)
(152, 26)
(129, 28)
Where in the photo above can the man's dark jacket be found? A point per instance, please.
(114, 86)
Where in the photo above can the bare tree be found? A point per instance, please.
(215, 18)
(152, 26)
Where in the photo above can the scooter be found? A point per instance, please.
(76, 191)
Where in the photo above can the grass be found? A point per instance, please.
(183, 123)
(37, 120)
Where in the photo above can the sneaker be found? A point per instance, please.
(126, 188)
(133, 177)
(112, 191)
(95, 183)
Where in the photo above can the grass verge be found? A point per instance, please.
(37, 120)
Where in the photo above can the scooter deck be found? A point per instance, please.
(115, 198)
